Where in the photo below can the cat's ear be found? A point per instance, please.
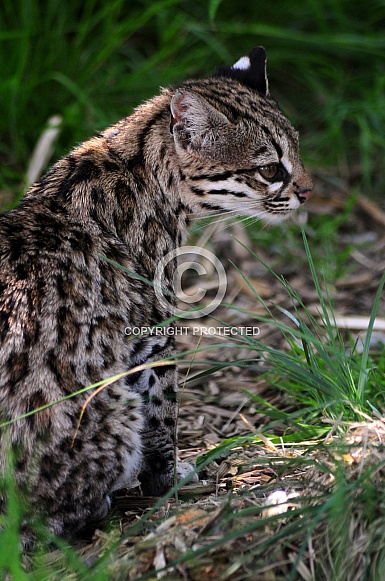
(195, 123)
(250, 70)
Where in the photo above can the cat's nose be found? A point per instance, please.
(304, 194)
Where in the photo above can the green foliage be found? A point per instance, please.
(10, 549)
(92, 62)
(324, 377)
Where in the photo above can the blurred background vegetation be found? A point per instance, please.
(92, 61)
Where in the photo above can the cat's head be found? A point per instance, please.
(237, 150)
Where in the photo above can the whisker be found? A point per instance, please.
(249, 214)
(216, 213)
(207, 216)
(247, 219)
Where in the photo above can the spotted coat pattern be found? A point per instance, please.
(122, 198)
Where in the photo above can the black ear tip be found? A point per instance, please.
(258, 58)
(258, 52)
(250, 70)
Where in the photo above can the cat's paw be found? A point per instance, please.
(103, 509)
(157, 483)
(184, 469)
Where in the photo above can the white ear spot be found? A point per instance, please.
(243, 64)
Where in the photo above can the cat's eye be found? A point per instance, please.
(269, 172)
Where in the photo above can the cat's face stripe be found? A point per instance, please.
(238, 133)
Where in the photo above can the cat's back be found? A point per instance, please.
(62, 312)
(57, 297)
(41, 250)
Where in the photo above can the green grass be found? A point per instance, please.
(92, 62)
(324, 376)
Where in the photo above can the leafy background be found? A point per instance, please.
(92, 62)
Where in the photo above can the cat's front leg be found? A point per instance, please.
(160, 464)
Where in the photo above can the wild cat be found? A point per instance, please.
(127, 195)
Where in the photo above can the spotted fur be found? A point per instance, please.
(127, 195)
